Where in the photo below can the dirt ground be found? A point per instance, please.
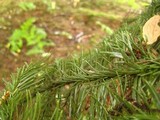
(83, 28)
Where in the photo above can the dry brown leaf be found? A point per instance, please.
(151, 30)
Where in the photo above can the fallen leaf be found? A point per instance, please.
(151, 30)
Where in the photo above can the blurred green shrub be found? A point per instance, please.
(27, 6)
(31, 35)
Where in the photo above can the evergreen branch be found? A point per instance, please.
(118, 79)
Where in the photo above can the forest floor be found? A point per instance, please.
(79, 22)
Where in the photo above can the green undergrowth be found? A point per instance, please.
(33, 36)
(27, 6)
(117, 80)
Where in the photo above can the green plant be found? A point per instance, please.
(27, 6)
(105, 28)
(28, 33)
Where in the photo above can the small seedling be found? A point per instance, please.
(30, 34)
